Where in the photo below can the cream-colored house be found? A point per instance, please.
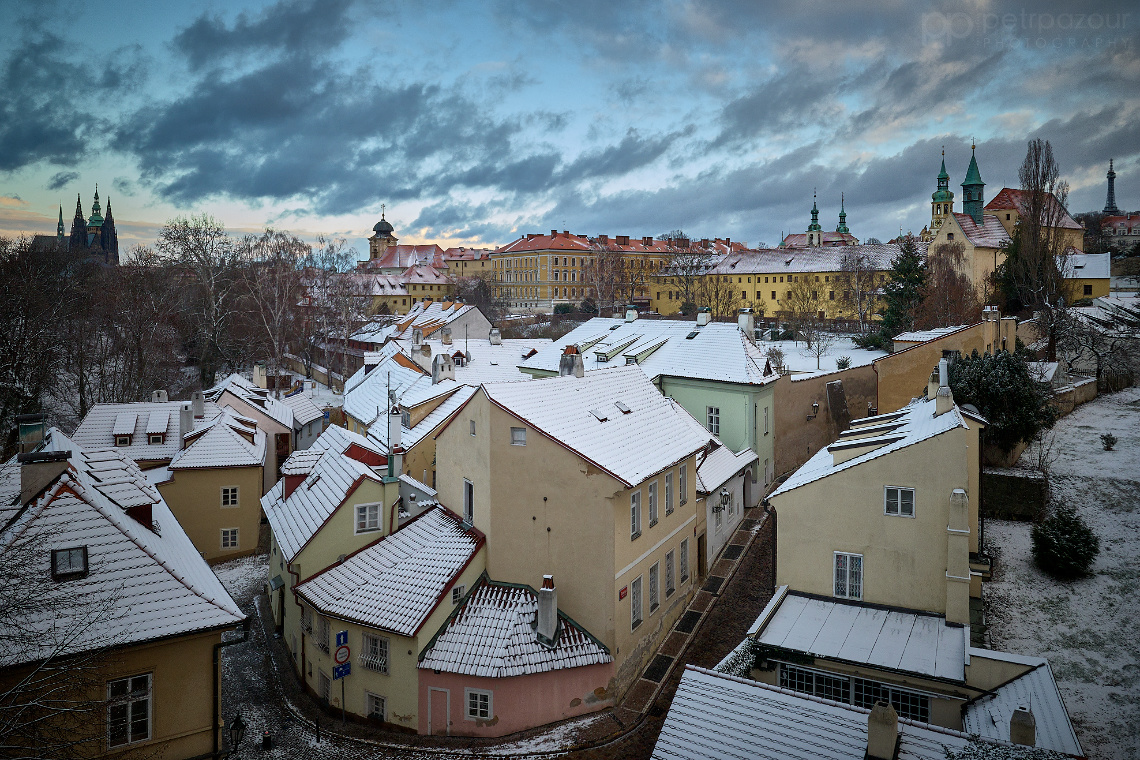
(591, 478)
(121, 617)
(272, 415)
(148, 432)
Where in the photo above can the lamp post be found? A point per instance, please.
(237, 732)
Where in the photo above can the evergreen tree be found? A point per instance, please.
(1003, 390)
(903, 290)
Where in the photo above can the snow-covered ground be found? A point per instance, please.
(1087, 628)
(799, 360)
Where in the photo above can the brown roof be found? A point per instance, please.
(988, 234)
(1011, 199)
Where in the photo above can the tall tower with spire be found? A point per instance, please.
(109, 238)
(59, 234)
(1110, 203)
(95, 235)
(972, 189)
(842, 217)
(78, 239)
(814, 231)
(942, 199)
(383, 237)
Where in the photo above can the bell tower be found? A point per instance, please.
(942, 199)
(814, 231)
(972, 190)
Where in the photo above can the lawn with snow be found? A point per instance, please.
(1087, 628)
(799, 359)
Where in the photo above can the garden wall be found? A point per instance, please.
(1013, 494)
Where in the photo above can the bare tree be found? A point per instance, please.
(949, 297)
(272, 266)
(337, 303)
(857, 279)
(604, 271)
(479, 291)
(685, 268)
(718, 292)
(1109, 341)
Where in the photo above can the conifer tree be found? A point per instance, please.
(903, 290)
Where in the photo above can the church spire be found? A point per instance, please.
(59, 227)
(972, 189)
(1110, 203)
(814, 215)
(842, 217)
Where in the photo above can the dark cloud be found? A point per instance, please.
(61, 179)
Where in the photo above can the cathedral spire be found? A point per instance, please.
(1110, 203)
(842, 216)
(59, 227)
(972, 189)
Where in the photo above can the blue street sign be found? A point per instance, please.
(341, 638)
(340, 671)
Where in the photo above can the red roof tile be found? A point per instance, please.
(1010, 198)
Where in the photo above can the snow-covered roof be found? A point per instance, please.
(138, 419)
(714, 715)
(302, 461)
(366, 395)
(225, 441)
(492, 635)
(778, 261)
(913, 424)
(583, 414)
(258, 398)
(1087, 266)
(395, 583)
(801, 363)
(922, 336)
(988, 715)
(430, 316)
(304, 410)
(143, 582)
(485, 362)
(661, 347)
(9, 490)
(721, 464)
(989, 234)
(913, 642)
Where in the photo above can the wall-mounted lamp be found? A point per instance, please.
(814, 411)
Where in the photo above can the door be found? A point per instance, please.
(439, 712)
(702, 553)
(748, 480)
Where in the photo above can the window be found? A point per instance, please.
(767, 476)
(831, 295)
(670, 573)
(479, 704)
(652, 504)
(457, 594)
(668, 493)
(156, 438)
(908, 704)
(374, 653)
(324, 685)
(848, 575)
(815, 683)
(634, 515)
(321, 639)
(713, 414)
(122, 440)
(685, 559)
(949, 235)
(683, 485)
(68, 564)
(635, 602)
(773, 295)
(654, 587)
(1088, 290)
(306, 619)
(367, 518)
(518, 436)
(468, 502)
(230, 538)
(472, 427)
(765, 420)
(229, 496)
(128, 710)
(375, 706)
(899, 501)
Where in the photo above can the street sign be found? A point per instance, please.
(342, 655)
(341, 638)
(340, 671)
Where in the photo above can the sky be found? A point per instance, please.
(475, 122)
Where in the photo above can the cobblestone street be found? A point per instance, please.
(259, 684)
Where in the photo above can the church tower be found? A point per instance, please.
(842, 217)
(972, 188)
(1110, 203)
(78, 239)
(942, 199)
(95, 222)
(380, 242)
(814, 231)
(59, 235)
(109, 241)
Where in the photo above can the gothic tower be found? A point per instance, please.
(78, 239)
(95, 222)
(842, 217)
(814, 231)
(59, 235)
(1110, 204)
(109, 241)
(972, 188)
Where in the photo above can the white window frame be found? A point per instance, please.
(670, 573)
(892, 497)
(472, 427)
(765, 420)
(231, 538)
(684, 560)
(847, 576)
(321, 634)
(636, 610)
(372, 513)
(155, 439)
(129, 700)
(712, 419)
(652, 504)
(683, 485)
(668, 494)
(122, 440)
(230, 497)
(634, 515)
(477, 714)
(518, 436)
(383, 713)
(654, 587)
(375, 653)
(324, 685)
(468, 502)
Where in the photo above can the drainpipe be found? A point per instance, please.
(300, 611)
(218, 681)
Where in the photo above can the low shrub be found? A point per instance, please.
(1109, 440)
(843, 362)
(1064, 546)
(870, 340)
(563, 308)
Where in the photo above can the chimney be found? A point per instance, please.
(198, 402)
(554, 233)
(442, 368)
(445, 336)
(158, 396)
(704, 242)
(631, 313)
(546, 625)
(1022, 727)
(704, 314)
(39, 470)
(958, 559)
(570, 363)
(395, 426)
(495, 338)
(31, 431)
(945, 401)
(647, 242)
(185, 422)
(882, 732)
(417, 337)
(932, 384)
(747, 322)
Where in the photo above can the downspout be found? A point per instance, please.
(300, 614)
(218, 681)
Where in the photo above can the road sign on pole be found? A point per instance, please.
(342, 655)
(340, 671)
(342, 638)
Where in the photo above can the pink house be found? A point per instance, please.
(507, 660)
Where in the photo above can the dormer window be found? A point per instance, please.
(69, 564)
(122, 440)
(157, 439)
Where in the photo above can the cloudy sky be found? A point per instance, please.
(477, 121)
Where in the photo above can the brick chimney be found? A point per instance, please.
(882, 732)
(546, 624)
(570, 363)
(445, 336)
(198, 402)
(1023, 727)
(185, 422)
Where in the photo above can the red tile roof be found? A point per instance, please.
(565, 241)
(989, 234)
(1011, 199)
(404, 256)
(799, 240)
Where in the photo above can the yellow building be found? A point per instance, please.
(591, 478)
(123, 618)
